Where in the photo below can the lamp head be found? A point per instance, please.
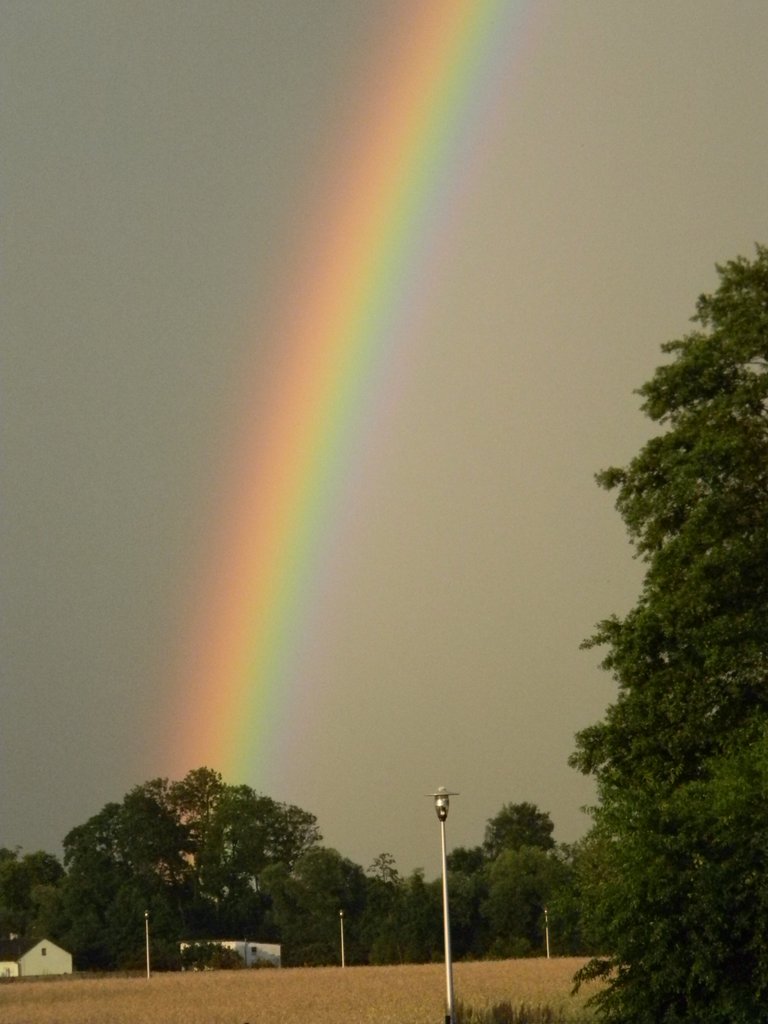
(442, 798)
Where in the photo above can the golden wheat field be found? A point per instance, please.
(410, 994)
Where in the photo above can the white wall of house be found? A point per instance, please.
(9, 969)
(45, 958)
(261, 952)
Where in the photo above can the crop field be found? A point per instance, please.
(410, 994)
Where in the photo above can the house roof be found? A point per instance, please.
(14, 949)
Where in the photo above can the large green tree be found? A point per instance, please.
(521, 883)
(191, 852)
(681, 757)
(515, 826)
(28, 893)
(232, 835)
(307, 899)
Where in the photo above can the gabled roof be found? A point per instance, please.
(14, 949)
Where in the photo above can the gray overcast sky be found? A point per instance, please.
(156, 157)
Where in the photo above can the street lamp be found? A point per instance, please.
(146, 939)
(442, 802)
(546, 929)
(341, 926)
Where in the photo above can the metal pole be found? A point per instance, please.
(146, 939)
(341, 925)
(449, 1016)
(546, 929)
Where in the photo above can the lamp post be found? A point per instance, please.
(442, 802)
(546, 928)
(341, 926)
(146, 939)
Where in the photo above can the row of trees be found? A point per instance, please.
(211, 860)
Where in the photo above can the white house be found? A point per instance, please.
(253, 953)
(20, 959)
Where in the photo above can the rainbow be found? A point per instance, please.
(364, 285)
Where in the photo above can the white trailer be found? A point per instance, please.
(252, 953)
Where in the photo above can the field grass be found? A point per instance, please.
(411, 994)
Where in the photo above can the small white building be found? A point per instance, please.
(252, 953)
(20, 959)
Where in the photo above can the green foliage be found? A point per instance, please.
(521, 884)
(384, 869)
(508, 1013)
(306, 901)
(210, 956)
(192, 853)
(516, 826)
(677, 899)
(402, 919)
(209, 861)
(470, 929)
(467, 861)
(28, 893)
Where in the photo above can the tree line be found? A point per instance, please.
(210, 860)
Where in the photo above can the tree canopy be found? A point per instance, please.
(211, 861)
(681, 758)
(518, 825)
(192, 852)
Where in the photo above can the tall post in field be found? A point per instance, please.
(146, 939)
(442, 802)
(341, 926)
(546, 928)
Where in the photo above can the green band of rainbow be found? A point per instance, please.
(367, 286)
